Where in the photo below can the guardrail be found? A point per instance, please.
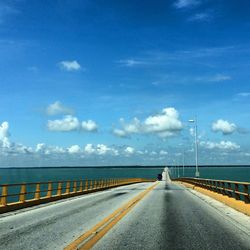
(234, 189)
(21, 195)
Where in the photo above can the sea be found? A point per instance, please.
(26, 175)
(46, 174)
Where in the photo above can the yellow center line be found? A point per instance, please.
(89, 238)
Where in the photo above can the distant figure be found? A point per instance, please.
(159, 177)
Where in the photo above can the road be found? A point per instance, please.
(168, 217)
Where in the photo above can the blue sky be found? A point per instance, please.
(115, 82)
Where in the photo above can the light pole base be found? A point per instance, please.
(197, 174)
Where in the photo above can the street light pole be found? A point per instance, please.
(183, 163)
(197, 173)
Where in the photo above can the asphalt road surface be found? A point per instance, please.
(169, 217)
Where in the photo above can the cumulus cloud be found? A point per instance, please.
(129, 150)
(8, 147)
(226, 145)
(70, 65)
(181, 4)
(164, 124)
(224, 126)
(100, 149)
(89, 149)
(4, 130)
(120, 133)
(42, 148)
(4, 135)
(89, 126)
(74, 149)
(68, 123)
(71, 123)
(57, 108)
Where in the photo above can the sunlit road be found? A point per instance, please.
(55, 225)
(169, 217)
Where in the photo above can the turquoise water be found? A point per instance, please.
(71, 173)
(15, 175)
(29, 175)
(219, 173)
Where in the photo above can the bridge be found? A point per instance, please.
(126, 214)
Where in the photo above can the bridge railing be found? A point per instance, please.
(20, 195)
(234, 189)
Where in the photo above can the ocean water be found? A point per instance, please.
(19, 175)
(31, 175)
(239, 173)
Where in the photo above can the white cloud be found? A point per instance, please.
(71, 123)
(120, 133)
(133, 127)
(68, 123)
(4, 130)
(163, 152)
(180, 4)
(6, 146)
(4, 135)
(42, 148)
(74, 149)
(166, 121)
(89, 125)
(70, 65)
(224, 145)
(129, 150)
(100, 149)
(164, 124)
(224, 126)
(58, 108)
(89, 149)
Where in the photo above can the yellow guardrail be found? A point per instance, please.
(21, 195)
(234, 189)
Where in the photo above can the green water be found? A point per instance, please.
(31, 175)
(15, 175)
(240, 173)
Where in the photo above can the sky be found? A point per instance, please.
(116, 82)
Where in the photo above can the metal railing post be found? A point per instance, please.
(49, 193)
(38, 192)
(59, 189)
(236, 187)
(67, 191)
(4, 195)
(22, 193)
(246, 196)
(81, 186)
(74, 186)
(86, 185)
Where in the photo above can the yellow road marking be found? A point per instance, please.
(89, 238)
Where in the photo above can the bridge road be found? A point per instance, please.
(171, 217)
(55, 225)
